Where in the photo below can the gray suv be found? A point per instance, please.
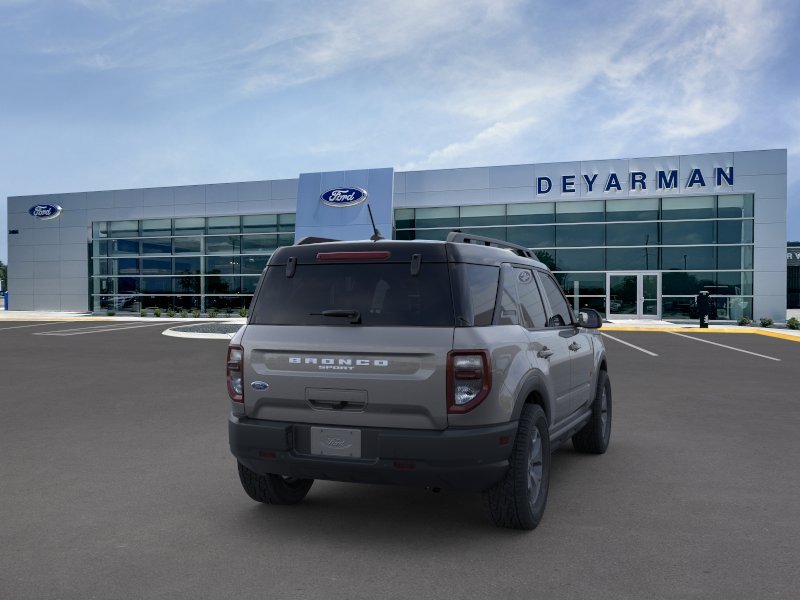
(451, 364)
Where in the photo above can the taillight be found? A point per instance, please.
(234, 373)
(469, 379)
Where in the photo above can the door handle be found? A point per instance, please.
(545, 352)
(574, 346)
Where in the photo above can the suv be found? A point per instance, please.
(451, 364)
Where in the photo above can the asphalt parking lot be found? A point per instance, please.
(116, 482)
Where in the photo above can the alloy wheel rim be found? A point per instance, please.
(604, 410)
(535, 466)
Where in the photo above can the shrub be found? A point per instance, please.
(744, 321)
(766, 321)
(212, 313)
(196, 313)
(170, 313)
(156, 312)
(143, 312)
(793, 323)
(184, 313)
(242, 312)
(110, 312)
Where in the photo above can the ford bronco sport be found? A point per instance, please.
(451, 364)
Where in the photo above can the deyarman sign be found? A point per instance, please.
(637, 180)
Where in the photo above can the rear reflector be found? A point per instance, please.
(404, 466)
(369, 255)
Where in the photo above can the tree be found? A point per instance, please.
(545, 257)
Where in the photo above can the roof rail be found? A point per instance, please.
(467, 238)
(314, 240)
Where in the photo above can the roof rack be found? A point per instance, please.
(466, 238)
(314, 240)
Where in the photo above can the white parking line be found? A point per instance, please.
(36, 325)
(611, 337)
(724, 346)
(102, 329)
(89, 328)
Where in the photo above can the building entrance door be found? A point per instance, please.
(633, 296)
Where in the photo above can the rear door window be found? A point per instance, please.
(382, 294)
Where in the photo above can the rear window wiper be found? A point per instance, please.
(353, 315)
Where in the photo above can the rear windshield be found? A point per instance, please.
(372, 294)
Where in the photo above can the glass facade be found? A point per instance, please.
(693, 243)
(793, 276)
(184, 263)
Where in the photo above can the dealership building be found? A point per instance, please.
(633, 238)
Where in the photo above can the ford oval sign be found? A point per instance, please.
(344, 197)
(45, 211)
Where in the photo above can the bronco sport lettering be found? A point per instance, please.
(341, 362)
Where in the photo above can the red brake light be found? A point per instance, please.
(368, 255)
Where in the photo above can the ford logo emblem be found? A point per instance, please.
(344, 196)
(336, 443)
(45, 211)
(259, 385)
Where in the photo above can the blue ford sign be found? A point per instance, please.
(45, 211)
(344, 196)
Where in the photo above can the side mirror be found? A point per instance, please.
(589, 318)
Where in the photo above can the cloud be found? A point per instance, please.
(309, 46)
(101, 35)
(143, 9)
(487, 140)
(695, 83)
(675, 72)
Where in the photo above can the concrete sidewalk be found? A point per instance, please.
(777, 331)
(43, 315)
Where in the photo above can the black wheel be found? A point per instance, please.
(273, 489)
(519, 499)
(595, 435)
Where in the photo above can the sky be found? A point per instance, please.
(106, 94)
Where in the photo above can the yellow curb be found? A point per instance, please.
(780, 335)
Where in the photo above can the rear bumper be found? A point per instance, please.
(458, 459)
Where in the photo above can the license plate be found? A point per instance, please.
(328, 441)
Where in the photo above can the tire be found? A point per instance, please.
(273, 489)
(519, 499)
(595, 435)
